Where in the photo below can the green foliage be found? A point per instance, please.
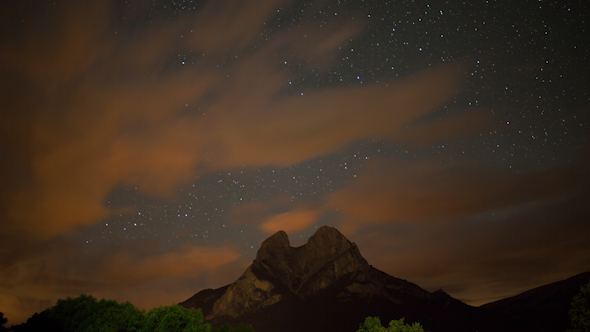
(580, 311)
(114, 317)
(373, 324)
(86, 314)
(175, 318)
(399, 326)
(239, 328)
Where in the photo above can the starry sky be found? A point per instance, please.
(150, 146)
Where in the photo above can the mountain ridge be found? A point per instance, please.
(326, 285)
(541, 305)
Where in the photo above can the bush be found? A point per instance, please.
(175, 318)
(85, 314)
(373, 324)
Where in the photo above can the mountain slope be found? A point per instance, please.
(546, 307)
(326, 285)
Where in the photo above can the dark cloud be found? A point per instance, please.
(426, 191)
(488, 256)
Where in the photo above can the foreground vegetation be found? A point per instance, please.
(373, 324)
(87, 314)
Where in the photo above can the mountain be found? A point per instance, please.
(546, 307)
(326, 285)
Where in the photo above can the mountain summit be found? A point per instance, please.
(280, 271)
(305, 270)
(326, 285)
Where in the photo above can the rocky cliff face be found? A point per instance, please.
(326, 257)
(304, 271)
(248, 293)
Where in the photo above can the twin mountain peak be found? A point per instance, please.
(326, 285)
(305, 270)
(327, 271)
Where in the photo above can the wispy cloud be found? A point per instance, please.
(110, 109)
(48, 271)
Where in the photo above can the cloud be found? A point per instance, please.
(290, 222)
(489, 256)
(298, 128)
(250, 213)
(424, 191)
(281, 213)
(35, 280)
(112, 106)
(426, 130)
(187, 261)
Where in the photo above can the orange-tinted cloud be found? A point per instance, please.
(299, 127)
(184, 262)
(488, 256)
(36, 281)
(423, 191)
(249, 213)
(290, 222)
(281, 213)
(110, 108)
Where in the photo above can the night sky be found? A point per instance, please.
(148, 147)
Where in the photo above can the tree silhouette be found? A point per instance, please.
(85, 313)
(3, 321)
(37, 323)
(580, 311)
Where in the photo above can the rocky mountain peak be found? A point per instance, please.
(275, 247)
(303, 271)
(330, 239)
(327, 256)
(326, 244)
